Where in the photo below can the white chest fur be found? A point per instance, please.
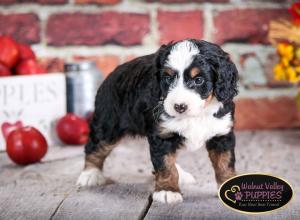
(197, 130)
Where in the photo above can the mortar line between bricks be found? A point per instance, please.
(208, 24)
(117, 50)
(43, 41)
(134, 7)
(154, 33)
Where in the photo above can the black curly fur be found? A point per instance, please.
(128, 101)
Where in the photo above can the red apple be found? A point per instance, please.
(26, 145)
(7, 128)
(72, 129)
(4, 71)
(29, 67)
(25, 52)
(9, 52)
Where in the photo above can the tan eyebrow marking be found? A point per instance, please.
(169, 71)
(194, 72)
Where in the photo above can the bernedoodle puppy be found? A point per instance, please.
(180, 96)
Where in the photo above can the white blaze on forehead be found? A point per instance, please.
(180, 58)
(181, 55)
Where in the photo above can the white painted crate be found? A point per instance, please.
(36, 100)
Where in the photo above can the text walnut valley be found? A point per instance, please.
(262, 191)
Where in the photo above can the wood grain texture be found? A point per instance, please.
(10, 172)
(274, 152)
(37, 191)
(130, 168)
(47, 190)
(116, 201)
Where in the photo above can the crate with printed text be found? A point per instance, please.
(35, 100)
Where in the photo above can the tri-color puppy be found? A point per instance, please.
(180, 96)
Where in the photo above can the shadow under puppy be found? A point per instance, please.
(180, 96)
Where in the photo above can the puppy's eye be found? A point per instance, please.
(168, 79)
(199, 81)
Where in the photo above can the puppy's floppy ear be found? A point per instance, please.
(226, 78)
(225, 87)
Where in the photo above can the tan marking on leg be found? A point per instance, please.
(167, 179)
(97, 158)
(220, 162)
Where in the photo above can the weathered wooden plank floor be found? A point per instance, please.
(47, 190)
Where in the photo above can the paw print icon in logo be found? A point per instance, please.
(238, 196)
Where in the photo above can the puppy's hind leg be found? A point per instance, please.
(94, 160)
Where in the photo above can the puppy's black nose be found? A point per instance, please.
(180, 108)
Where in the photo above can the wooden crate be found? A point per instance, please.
(36, 100)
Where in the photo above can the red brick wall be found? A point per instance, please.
(114, 31)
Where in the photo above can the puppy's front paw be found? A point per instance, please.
(167, 197)
(90, 177)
